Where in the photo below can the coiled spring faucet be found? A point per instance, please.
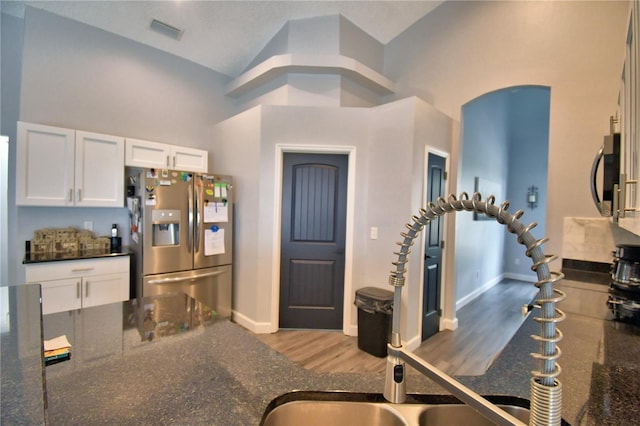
(546, 389)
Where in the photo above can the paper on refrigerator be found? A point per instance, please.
(213, 242)
(216, 212)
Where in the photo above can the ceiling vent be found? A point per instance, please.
(166, 29)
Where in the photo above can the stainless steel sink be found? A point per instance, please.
(322, 413)
(348, 408)
(455, 415)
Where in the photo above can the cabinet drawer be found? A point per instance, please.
(75, 268)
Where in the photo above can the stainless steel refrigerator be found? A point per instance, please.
(182, 234)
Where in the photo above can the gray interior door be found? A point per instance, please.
(314, 200)
(433, 251)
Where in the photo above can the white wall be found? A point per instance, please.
(480, 243)
(11, 38)
(387, 143)
(248, 151)
(113, 85)
(465, 49)
(528, 153)
(238, 153)
(4, 218)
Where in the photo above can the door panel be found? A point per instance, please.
(105, 289)
(314, 197)
(99, 176)
(214, 220)
(166, 231)
(45, 165)
(433, 251)
(210, 286)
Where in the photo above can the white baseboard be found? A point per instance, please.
(447, 324)
(413, 343)
(251, 325)
(521, 277)
(351, 330)
(478, 291)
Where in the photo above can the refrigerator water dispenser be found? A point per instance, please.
(166, 227)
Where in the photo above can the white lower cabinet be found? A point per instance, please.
(61, 295)
(76, 284)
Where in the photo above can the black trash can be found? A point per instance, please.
(375, 308)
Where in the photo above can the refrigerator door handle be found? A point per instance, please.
(190, 220)
(196, 245)
(187, 278)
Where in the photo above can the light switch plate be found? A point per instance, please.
(373, 233)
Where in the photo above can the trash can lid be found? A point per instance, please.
(375, 293)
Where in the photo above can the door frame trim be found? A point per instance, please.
(428, 149)
(350, 151)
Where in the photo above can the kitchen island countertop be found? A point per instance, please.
(219, 373)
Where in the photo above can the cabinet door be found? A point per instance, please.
(61, 295)
(189, 159)
(44, 165)
(151, 155)
(630, 106)
(99, 176)
(103, 289)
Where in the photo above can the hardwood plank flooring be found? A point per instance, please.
(485, 326)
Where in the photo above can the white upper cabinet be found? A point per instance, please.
(64, 167)
(99, 170)
(190, 159)
(155, 155)
(145, 154)
(44, 165)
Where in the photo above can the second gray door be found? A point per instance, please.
(433, 250)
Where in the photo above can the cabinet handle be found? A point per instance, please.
(174, 161)
(620, 196)
(71, 195)
(168, 162)
(86, 289)
(78, 290)
(629, 182)
(79, 195)
(81, 269)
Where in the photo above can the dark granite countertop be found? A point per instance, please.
(76, 255)
(218, 373)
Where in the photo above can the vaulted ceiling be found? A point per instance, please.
(226, 35)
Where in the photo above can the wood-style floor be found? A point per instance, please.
(485, 326)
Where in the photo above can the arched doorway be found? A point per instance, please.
(504, 149)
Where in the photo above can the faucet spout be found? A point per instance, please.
(546, 389)
(463, 393)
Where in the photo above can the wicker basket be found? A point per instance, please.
(69, 245)
(67, 240)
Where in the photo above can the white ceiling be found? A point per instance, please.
(226, 35)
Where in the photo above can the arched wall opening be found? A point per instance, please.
(504, 152)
